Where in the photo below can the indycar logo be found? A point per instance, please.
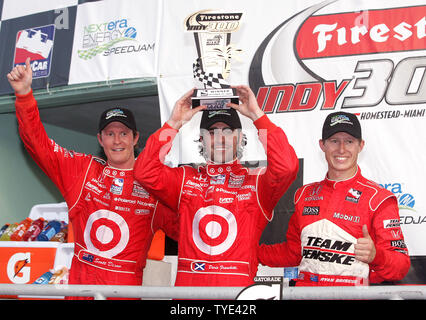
(36, 43)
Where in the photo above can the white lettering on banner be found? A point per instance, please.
(377, 33)
(17, 269)
(382, 81)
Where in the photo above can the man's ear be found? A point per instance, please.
(136, 138)
(100, 139)
(361, 145)
(321, 144)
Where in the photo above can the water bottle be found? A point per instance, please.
(291, 273)
(21, 229)
(3, 229)
(8, 232)
(44, 278)
(52, 228)
(61, 236)
(34, 230)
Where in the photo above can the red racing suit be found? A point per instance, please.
(112, 216)
(223, 208)
(325, 226)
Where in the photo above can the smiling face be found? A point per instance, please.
(118, 142)
(341, 152)
(221, 142)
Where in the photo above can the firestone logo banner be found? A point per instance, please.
(305, 59)
(355, 33)
(324, 42)
(368, 59)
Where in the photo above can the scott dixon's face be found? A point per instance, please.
(118, 143)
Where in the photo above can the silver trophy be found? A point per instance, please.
(212, 34)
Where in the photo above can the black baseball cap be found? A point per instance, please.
(228, 116)
(341, 122)
(119, 114)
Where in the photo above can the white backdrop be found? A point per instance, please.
(382, 81)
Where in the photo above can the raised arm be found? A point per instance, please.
(163, 182)
(62, 166)
(283, 163)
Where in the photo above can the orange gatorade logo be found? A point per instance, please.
(18, 269)
(24, 265)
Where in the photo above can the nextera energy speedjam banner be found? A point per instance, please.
(305, 59)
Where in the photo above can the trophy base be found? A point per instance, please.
(214, 99)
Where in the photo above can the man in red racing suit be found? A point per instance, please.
(223, 207)
(334, 219)
(112, 215)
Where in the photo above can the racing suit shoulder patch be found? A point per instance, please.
(379, 194)
(311, 192)
(99, 160)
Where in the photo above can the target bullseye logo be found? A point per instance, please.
(106, 233)
(214, 230)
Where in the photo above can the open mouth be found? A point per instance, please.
(341, 159)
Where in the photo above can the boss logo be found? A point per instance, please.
(310, 211)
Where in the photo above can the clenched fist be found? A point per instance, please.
(21, 78)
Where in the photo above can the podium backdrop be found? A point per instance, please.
(303, 59)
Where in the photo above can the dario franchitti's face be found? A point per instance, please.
(220, 142)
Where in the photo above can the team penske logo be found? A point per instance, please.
(328, 250)
(326, 246)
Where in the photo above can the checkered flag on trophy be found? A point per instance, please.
(213, 80)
